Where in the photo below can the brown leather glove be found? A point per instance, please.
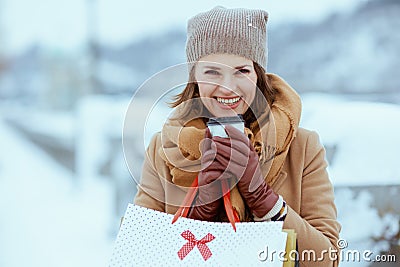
(208, 201)
(237, 154)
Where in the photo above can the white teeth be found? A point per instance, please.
(229, 101)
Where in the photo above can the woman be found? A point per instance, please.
(277, 171)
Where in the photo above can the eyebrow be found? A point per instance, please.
(218, 68)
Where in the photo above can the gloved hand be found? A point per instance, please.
(240, 159)
(208, 201)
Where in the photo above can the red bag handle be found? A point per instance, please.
(188, 200)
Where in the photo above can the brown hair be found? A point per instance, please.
(258, 106)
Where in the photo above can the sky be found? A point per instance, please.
(62, 25)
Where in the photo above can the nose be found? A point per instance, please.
(227, 85)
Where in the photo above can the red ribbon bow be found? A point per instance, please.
(192, 242)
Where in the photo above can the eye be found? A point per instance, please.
(244, 71)
(211, 72)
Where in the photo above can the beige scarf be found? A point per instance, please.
(181, 143)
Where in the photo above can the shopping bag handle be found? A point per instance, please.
(187, 201)
(191, 194)
(230, 212)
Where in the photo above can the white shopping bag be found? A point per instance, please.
(148, 238)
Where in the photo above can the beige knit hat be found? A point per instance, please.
(236, 31)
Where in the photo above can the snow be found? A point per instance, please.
(365, 135)
(116, 74)
(99, 151)
(47, 218)
(366, 138)
(156, 118)
(99, 119)
(361, 224)
(60, 125)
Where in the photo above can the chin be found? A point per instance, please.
(225, 113)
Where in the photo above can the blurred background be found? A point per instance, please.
(68, 70)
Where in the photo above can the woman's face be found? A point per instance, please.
(227, 83)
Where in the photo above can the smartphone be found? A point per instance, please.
(217, 124)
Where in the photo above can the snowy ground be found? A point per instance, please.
(47, 219)
(364, 134)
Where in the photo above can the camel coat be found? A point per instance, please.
(302, 180)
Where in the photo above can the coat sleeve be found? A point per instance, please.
(316, 226)
(151, 192)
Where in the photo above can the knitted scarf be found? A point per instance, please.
(181, 143)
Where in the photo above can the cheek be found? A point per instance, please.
(205, 89)
(251, 95)
(254, 87)
(249, 88)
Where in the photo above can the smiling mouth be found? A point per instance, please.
(228, 101)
